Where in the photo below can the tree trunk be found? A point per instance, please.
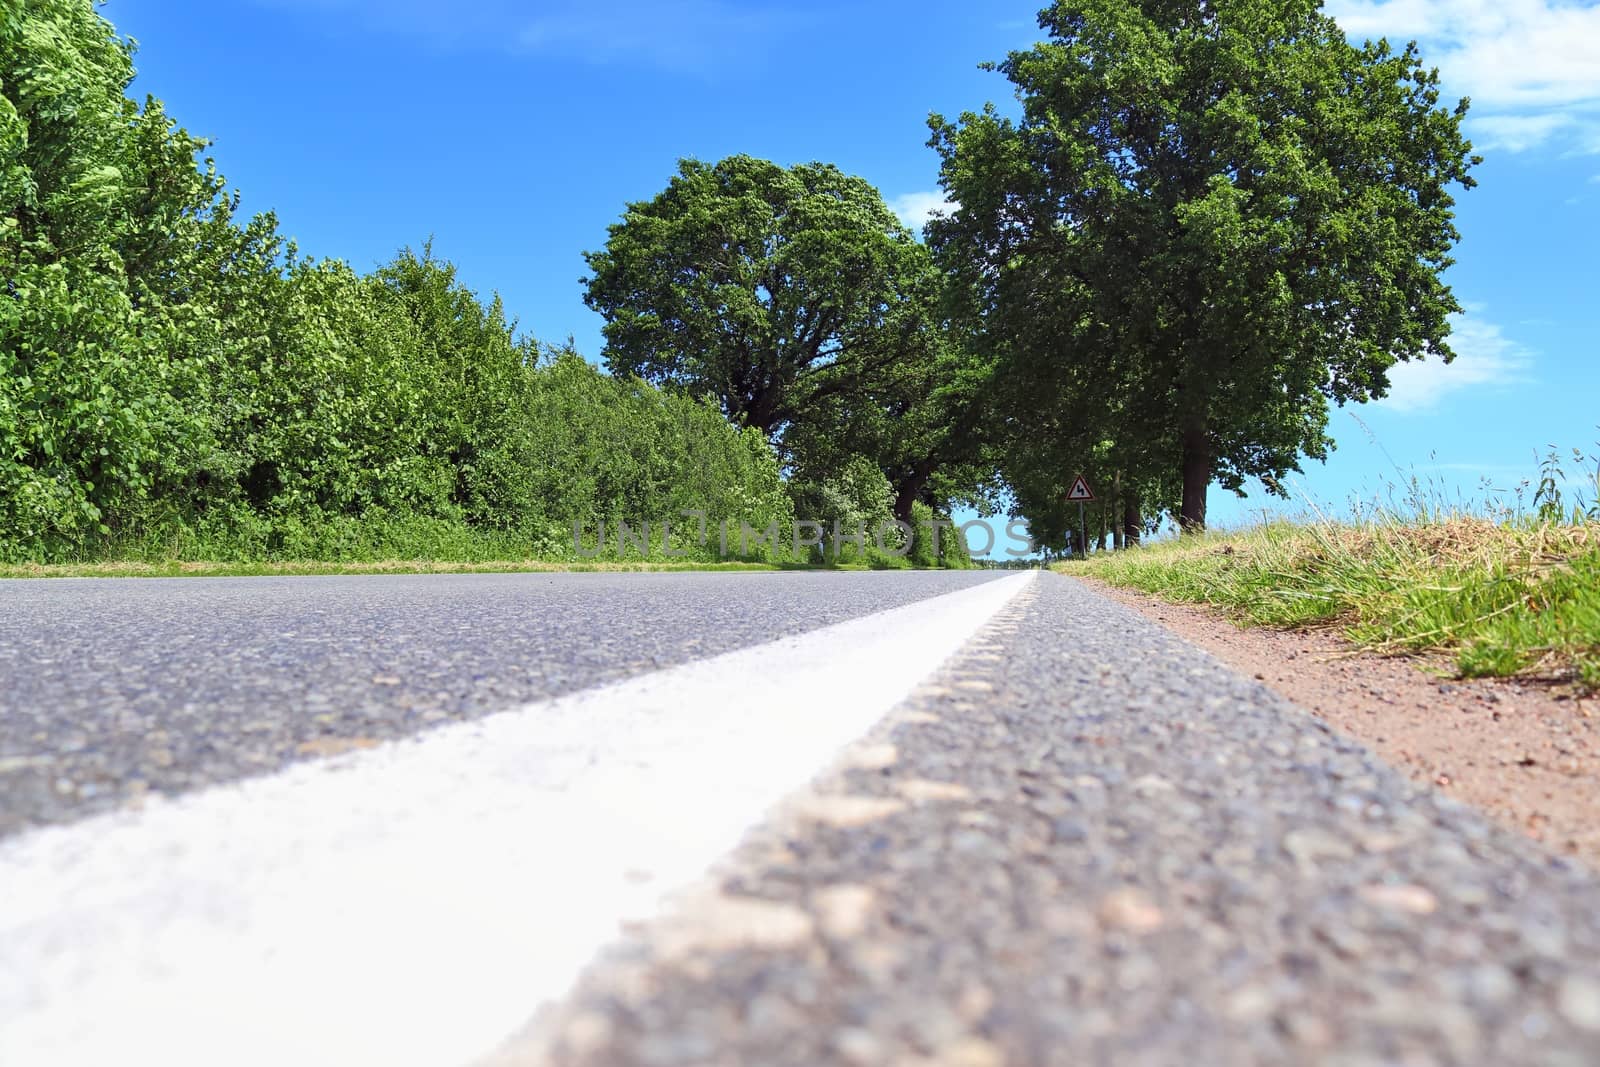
(910, 489)
(1196, 478)
(1115, 502)
(762, 412)
(1132, 521)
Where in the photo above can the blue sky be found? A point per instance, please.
(514, 132)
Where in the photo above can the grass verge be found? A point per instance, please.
(1503, 599)
(303, 568)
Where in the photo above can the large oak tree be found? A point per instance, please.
(771, 288)
(1221, 211)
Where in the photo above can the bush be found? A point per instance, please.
(858, 497)
(179, 383)
(952, 549)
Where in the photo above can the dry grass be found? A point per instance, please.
(1517, 598)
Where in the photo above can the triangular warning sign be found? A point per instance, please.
(1080, 491)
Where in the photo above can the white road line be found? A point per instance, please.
(414, 904)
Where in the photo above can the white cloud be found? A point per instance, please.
(915, 209)
(1529, 65)
(1517, 133)
(1485, 356)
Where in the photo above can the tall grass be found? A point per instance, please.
(1508, 587)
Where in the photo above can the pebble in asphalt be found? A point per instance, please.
(1087, 842)
(112, 689)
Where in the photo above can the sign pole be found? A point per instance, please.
(1081, 493)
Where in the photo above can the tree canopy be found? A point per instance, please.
(768, 288)
(796, 299)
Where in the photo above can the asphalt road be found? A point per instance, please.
(1087, 842)
(112, 689)
(1080, 840)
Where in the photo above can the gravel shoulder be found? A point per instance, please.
(1086, 841)
(1527, 754)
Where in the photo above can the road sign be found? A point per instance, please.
(1080, 492)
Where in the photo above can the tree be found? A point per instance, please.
(770, 289)
(923, 419)
(99, 199)
(1222, 211)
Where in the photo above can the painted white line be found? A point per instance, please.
(414, 904)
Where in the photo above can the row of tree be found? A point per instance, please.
(1210, 220)
(1204, 223)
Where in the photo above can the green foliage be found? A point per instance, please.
(578, 446)
(767, 288)
(923, 421)
(1575, 503)
(952, 550)
(88, 183)
(857, 496)
(613, 450)
(1211, 220)
(795, 298)
(176, 382)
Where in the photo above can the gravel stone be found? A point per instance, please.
(1580, 1003)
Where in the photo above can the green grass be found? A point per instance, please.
(410, 545)
(157, 567)
(1504, 598)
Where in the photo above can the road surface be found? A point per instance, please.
(116, 688)
(962, 819)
